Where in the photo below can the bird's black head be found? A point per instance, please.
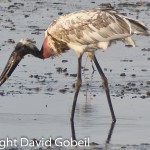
(22, 48)
(26, 46)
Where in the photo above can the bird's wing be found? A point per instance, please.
(89, 27)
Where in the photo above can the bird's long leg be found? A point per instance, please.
(79, 79)
(110, 132)
(77, 87)
(73, 130)
(105, 84)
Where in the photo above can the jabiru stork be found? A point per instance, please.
(82, 31)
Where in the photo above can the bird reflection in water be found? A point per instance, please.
(87, 110)
(108, 139)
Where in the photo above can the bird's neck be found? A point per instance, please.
(37, 53)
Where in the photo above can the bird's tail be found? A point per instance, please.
(138, 27)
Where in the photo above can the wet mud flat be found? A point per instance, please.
(36, 101)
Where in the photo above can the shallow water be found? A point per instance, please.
(36, 101)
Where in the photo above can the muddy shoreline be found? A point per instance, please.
(32, 99)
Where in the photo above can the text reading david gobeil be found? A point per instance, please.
(26, 142)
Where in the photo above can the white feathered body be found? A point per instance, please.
(90, 29)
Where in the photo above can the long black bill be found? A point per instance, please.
(10, 67)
